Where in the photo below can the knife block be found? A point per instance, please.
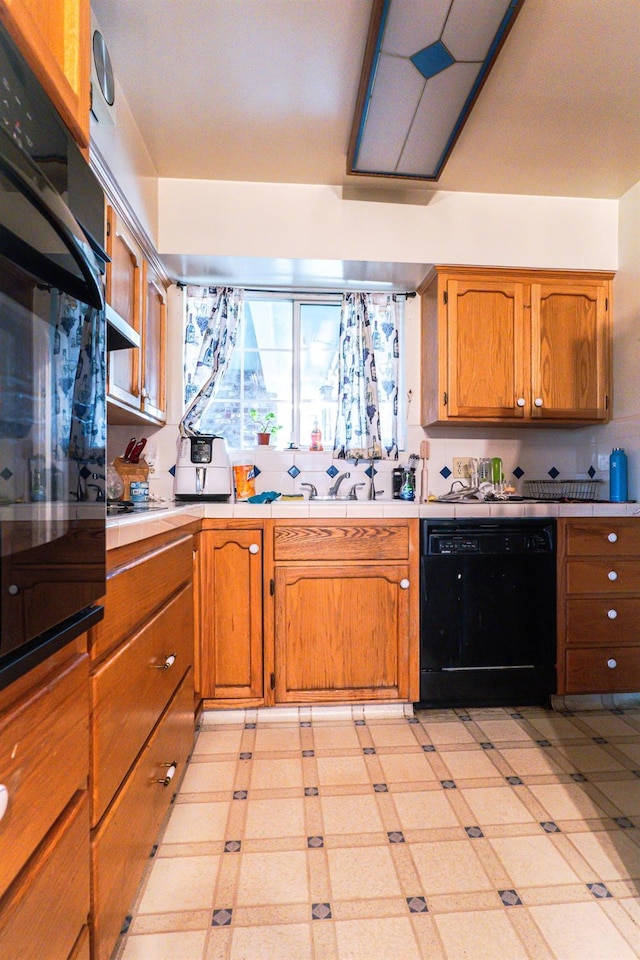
(131, 472)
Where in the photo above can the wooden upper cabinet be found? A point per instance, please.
(136, 377)
(54, 38)
(515, 347)
(154, 306)
(569, 350)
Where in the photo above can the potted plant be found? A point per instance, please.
(266, 426)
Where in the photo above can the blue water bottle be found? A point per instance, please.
(618, 476)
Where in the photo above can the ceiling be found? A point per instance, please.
(265, 90)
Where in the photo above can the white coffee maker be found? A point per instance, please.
(203, 471)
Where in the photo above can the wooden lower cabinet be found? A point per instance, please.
(599, 605)
(341, 632)
(230, 630)
(142, 717)
(44, 833)
(122, 843)
(345, 610)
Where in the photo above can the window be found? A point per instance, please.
(285, 361)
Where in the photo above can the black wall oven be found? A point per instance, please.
(52, 378)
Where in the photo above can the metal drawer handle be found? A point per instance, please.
(4, 800)
(254, 548)
(612, 664)
(612, 614)
(169, 662)
(171, 772)
(612, 537)
(404, 584)
(612, 575)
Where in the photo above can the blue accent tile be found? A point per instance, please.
(172, 470)
(518, 473)
(332, 471)
(256, 471)
(591, 471)
(222, 918)
(370, 472)
(417, 905)
(395, 836)
(293, 472)
(6, 474)
(445, 472)
(599, 890)
(474, 832)
(432, 60)
(553, 473)
(510, 898)
(321, 911)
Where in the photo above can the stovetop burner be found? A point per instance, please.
(118, 508)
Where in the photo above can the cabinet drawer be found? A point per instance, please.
(603, 621)
(121, 846)
(44, 743)
(130, 690)
(603, 576)
(588, 671)
(140, 588)
(347, 540)
(608, 538)
(45, 910)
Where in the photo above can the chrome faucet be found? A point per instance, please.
(313, 490)
(333, 491)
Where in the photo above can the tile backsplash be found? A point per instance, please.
(533, 454)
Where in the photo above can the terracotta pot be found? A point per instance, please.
(263, 439)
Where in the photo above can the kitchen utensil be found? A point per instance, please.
(134, 456)
(130, 446)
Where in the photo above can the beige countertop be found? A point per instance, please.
(138, 526)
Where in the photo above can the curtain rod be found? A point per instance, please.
(409, 294)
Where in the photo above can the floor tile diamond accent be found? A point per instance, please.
(510, 898)
(311, 791)
(549, 826)
(360, 723)
(599, 890)
(308, 753)
(315, 842)
(380, 788)
(624, 822)
(514, 781)
(428, 748)
(448, 784)
(250, 726)
(474, 832)
(369, 750)
(321, 911)
(246, 756)
(395, 836)
(486, 745)
(417, 905)
(600, 740)
(305, 723)
(233, 846)
(543, 743)
(239, 794)
(579, 777)
(222, 918)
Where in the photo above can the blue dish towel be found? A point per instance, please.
(267, 497)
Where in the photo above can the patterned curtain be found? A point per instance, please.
(214, 315)
(79, 371)
(368, 370)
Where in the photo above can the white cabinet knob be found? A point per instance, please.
(168, 662)
(171, 772)
(254, 548)
(14, 590)
(612, 614)
(612, 575)
(612, 664)
(404, 584)
(4, 800)
(612, 537)
(521, 401)
(538, 402)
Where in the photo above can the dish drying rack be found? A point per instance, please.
(561, 489)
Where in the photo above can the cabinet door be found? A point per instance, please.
(485, 349)
(341, 632)
(230, 600)
(153, 344)
(124, 294)
(54, 38)
(569, 350)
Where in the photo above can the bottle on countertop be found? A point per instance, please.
(618, 491)
(316, 438)
(408, 488)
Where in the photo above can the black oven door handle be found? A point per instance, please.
(23, 174)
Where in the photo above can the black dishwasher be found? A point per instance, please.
(487, 612)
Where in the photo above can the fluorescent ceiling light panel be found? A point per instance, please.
(425, 63)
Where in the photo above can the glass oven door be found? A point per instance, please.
(52, 415)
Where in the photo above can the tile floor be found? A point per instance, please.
(480, 833)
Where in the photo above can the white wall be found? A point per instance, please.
(314, 222)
